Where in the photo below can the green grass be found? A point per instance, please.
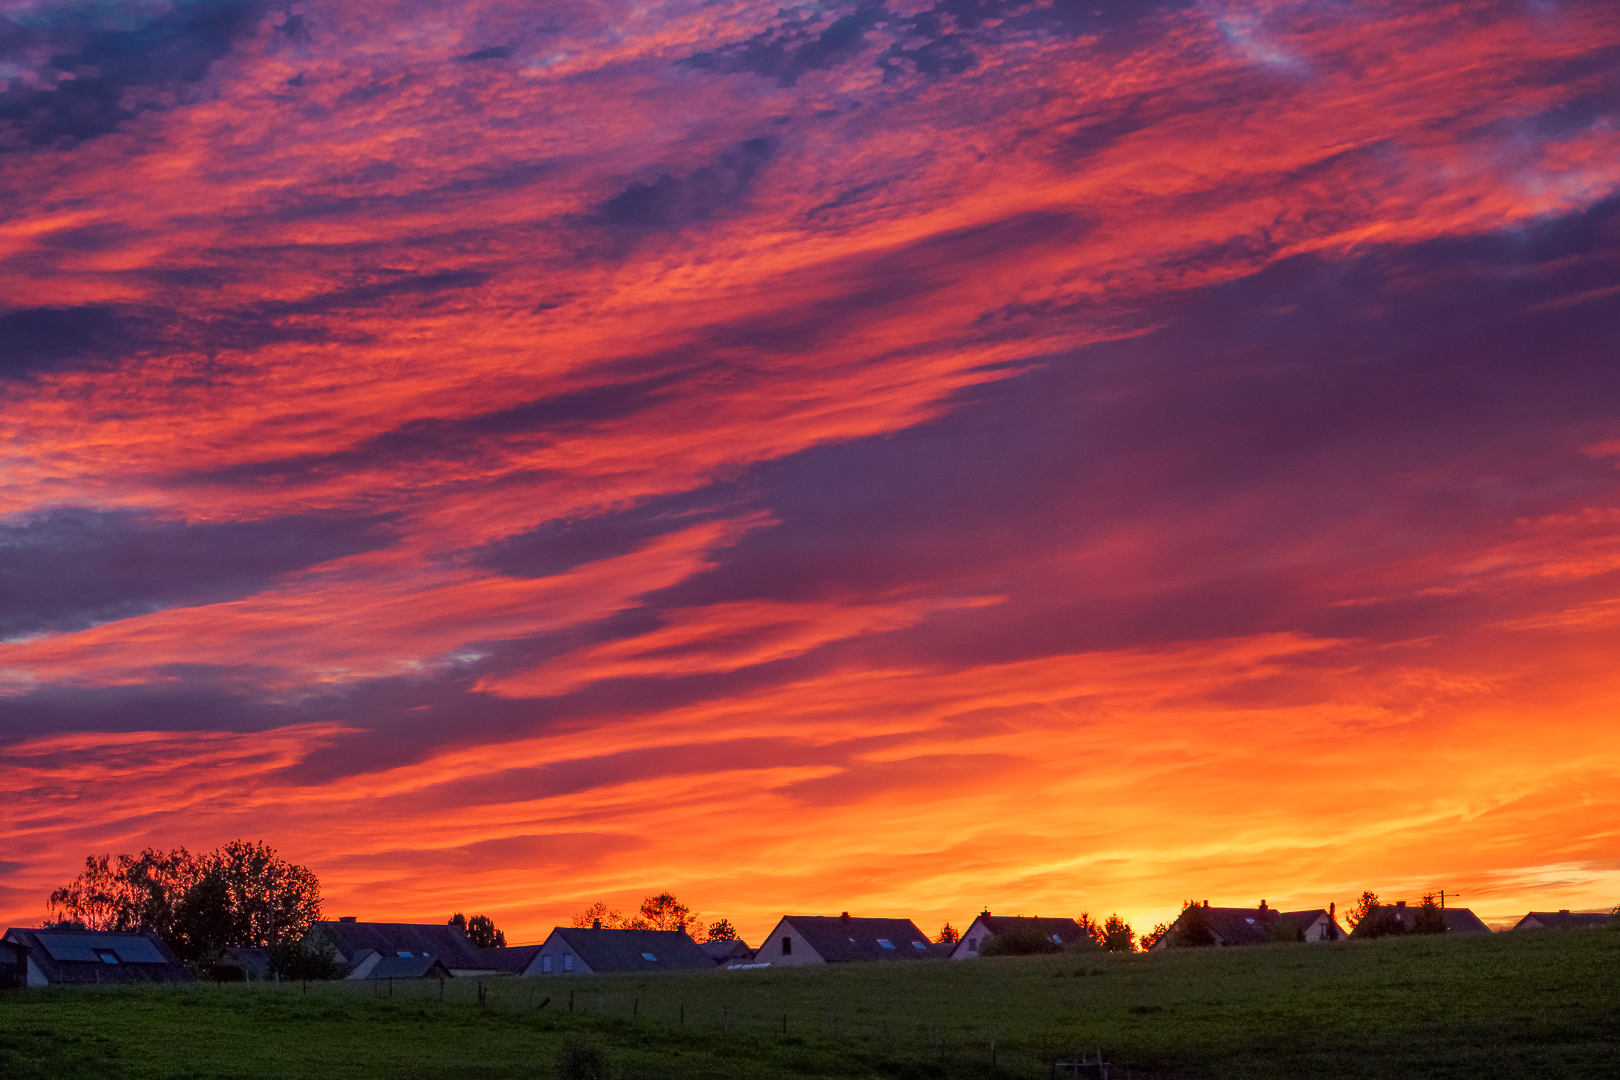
(1542, 1004)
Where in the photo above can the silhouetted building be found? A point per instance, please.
(988, 927)
(56, 957)
(600, 951)
(800, 940)
(1202, 925)
(1566, 920)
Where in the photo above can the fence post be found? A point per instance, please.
(570, 1001)
(683, 1014)
(635, 1007)
(784, 1025)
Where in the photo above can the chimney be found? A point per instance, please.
(347, 918)
(1262, 905)
(1206, 903)
(845, 917)
(1400, 903)
(1331, 908)
(596, 924)
(1563, 911)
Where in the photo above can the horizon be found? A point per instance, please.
(893, 457)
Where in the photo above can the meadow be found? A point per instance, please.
(1531, 1005)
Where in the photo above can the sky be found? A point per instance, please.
(893, 456)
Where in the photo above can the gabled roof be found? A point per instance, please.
(609, 950)
(1065, 930)
(92, 956)
(1456, 920)
(1566, 920)
(409, 967)
(513, 958)
(724, 949)
(1240, 926)
(352, 939)
(842, 940)
(1245, 926)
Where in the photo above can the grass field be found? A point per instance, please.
(1541, 1004)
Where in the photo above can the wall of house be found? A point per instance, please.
(558, 950)
(976, 933)
(802, 955)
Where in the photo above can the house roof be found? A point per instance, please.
(723, 949)
(90, 956)
(513, 958)
(1456, 920)
(352, 939)
(610, 950)
(1565, 920)
(409, 967)
(842, 940)
(1066, 930)
(1250, 926)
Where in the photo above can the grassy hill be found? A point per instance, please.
(1541, 1004)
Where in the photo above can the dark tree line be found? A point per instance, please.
(239, 895)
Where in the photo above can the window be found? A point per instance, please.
(403, 952)
(973, 944)
(919, 945)
(886, 943)
(568, 962)
(1056, 940)
(787, 946)
(106, 956)
(545, 965)
(649, 957)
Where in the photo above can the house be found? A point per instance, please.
(374, 965)
(800, 940)
(253, 964)
(13, 965)
(1201, 924)
(1382, 918)
(727, 950)
(353, 944)
(55, 957)
(1566, 919)
(512, 959)
(602, 951)
(987, 927)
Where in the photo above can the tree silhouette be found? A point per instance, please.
(480, 930)
(948, 935)
(1117, 935)
(722, 930)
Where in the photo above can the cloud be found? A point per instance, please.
(79, 73)
(72, 568)
(672, 201)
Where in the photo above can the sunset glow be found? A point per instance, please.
(901, 458)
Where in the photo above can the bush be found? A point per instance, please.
(1020, 941)
(580, 1060)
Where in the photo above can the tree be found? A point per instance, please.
(1117, 935)
(1430, 918)
(1154, 936)
(600, 913)
(664, 912)
(722, 930)
(239, 895)
(1363, 908)
(1091, 935)
(480, 931)
(948, 935)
